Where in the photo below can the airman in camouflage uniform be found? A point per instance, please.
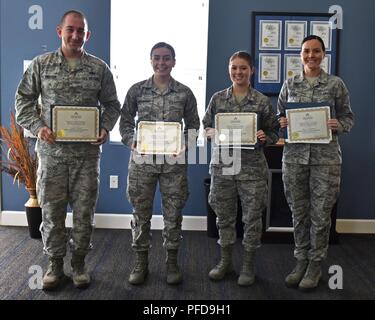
(311, 172)
(250, 180)
(68, 173)
(159, 98)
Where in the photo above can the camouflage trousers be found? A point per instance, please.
(62, 181)
(224, 192)
(142, 182)
(311, 192)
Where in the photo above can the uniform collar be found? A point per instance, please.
(323, 77)
(62, 59)
(149, 84)
(229, 93)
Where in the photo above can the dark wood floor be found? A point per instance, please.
(111, 259)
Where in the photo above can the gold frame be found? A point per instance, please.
(75, 118)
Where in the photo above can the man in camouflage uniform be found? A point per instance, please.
(249, 178)
(159, 98)
(68, 173)
(311, 172)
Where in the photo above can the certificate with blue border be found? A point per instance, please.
(326, 64)
(270, 35)
(323, 29)
(308, 124)
(295, 32)
(269, 68)
(292, 65)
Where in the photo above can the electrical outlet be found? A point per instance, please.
(113, 182)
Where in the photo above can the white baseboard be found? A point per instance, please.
(108, 221)
(194, 223)
(355, 226)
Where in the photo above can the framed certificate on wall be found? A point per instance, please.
(269, 68)
(270, 35)
(295, 32)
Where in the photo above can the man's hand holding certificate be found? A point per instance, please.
(159, 137)
(309, 125)
(236, 129)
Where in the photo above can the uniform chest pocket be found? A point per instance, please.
(175, 111)
(222, 108)
(145, 109)
(52, 82)
(294, 95)
(92, 85)
(323, 94)
(302, 94)
(144, 103)
(178, 99)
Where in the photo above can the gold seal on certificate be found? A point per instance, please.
(158, 137)
(309, 125)
(75, 123)
(236, 129)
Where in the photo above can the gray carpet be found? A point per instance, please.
(111, 259)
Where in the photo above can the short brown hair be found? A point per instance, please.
(75, 12)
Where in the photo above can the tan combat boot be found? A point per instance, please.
(174, 275)
(294, 278)
(247, 275)
(54, 275)
(140, 270)
(81, 278)
(224, 266)
(312, 276)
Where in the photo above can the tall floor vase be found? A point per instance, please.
(33, 214)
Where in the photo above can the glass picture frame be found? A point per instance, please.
(293, 28)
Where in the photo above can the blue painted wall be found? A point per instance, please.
(230, 29)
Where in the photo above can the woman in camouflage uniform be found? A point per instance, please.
(249, 182)
(159, 98)
(311, 172)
